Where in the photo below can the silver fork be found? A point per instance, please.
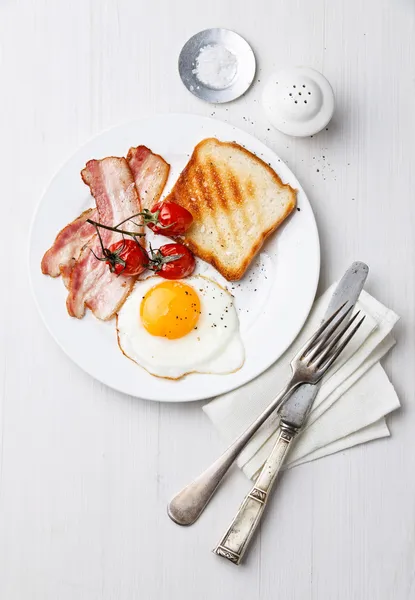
(309, 365)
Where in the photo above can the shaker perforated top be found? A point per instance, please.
(298, 101)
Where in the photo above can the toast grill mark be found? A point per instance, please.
(234, 215)
(217, 185)
(235, 188)
(238, 197)
(250, 188)
(218, 197)
(202, 185)
(203, 196)
(193, 201)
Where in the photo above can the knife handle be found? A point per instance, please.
(234, 543)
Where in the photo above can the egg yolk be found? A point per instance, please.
(170, 309)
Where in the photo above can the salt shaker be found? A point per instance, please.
(298, 101)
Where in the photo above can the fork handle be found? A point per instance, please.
(186, 507)
(234, 543)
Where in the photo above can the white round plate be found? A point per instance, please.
(273, 300)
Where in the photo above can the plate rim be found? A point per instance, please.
(200, 396)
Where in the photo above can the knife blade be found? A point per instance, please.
(295, 410)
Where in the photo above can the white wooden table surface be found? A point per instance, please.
(85, 473)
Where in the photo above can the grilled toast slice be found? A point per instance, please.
(236, 200)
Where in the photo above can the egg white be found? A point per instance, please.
(213, 346)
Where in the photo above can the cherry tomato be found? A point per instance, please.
(171, 219)
(173, 261)
(127, 257)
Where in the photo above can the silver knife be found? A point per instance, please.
(293, 415)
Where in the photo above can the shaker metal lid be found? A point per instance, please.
(298, 101)
(217, 65)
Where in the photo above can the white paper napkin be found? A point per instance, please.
(349, 408)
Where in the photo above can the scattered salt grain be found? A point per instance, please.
(216, 66)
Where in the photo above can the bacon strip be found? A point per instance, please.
(150, 172)
(61, 256)
(92, 284)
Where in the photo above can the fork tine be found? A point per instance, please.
(326, 366)
(321, 343)
(326, 352)
(309, 345)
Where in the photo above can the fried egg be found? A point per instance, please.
(172, 328)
